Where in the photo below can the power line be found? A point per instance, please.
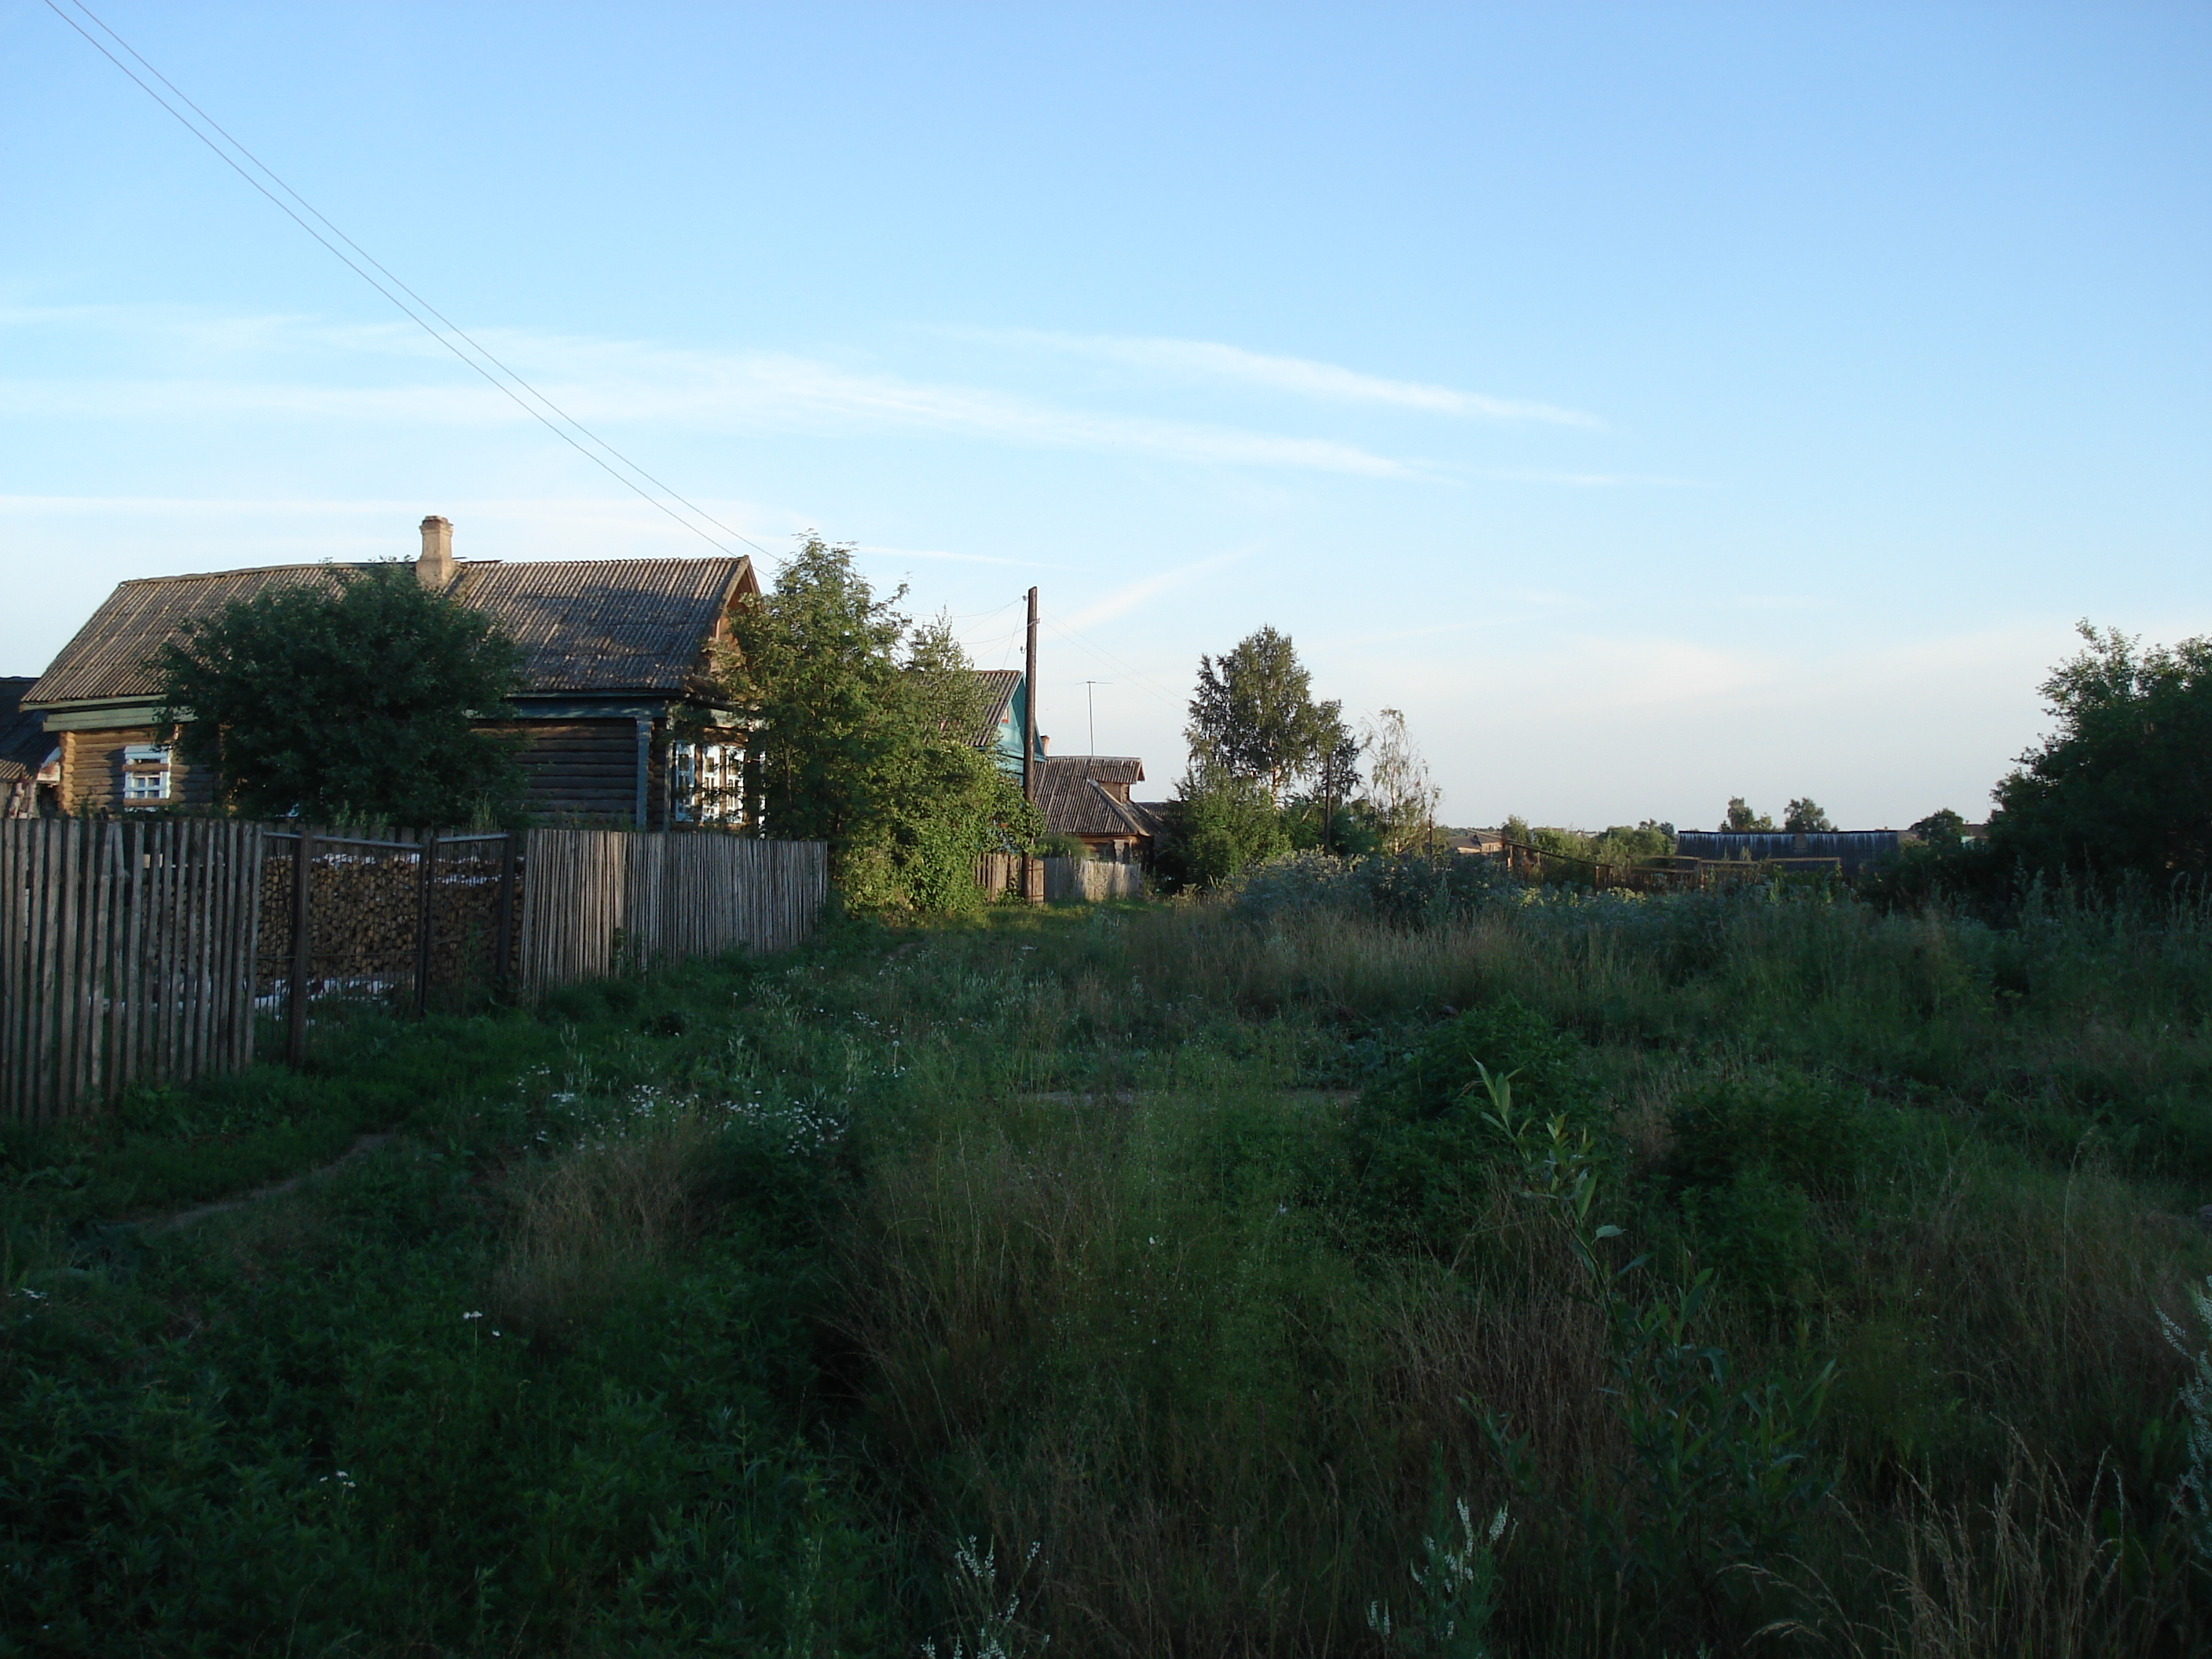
(408, 310)
(1105, 656)
(970, 616)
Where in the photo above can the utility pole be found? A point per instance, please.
(1028, 708)
(1091, 702)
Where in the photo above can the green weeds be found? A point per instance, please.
(1789, 1275)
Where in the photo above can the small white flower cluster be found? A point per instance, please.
(808, 1127)
(341, 1477)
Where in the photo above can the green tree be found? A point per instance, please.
(1399, 789)
(1804, 816)
(1253, 715)
(1742, 820)
(863, 724)
(1220, 822)
(357, 702)
(1941, 828)
(2125, 780)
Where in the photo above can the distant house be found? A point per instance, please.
(1088, 796)
(25, 750)
(611, 648)
(1005, 712)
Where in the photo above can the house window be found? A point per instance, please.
(707, 780)
(145, 774)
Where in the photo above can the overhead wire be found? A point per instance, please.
(1138, 675)
(408, 310)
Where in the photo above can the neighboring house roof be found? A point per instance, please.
(999, 716)
(1073, 794)
(23, 740)
(998, 685)
(1122, 769)
(585, 625)
(606, 624)
(1153, 814)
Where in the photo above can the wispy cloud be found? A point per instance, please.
(604, 381)
(1123, 600)
(1210, 359)
(285, 528)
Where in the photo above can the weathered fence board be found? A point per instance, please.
(126, 954)
(134, 951)
(1090, 880)
(598, 901)
(1011, 875)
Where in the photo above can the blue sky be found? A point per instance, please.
(1656, 401)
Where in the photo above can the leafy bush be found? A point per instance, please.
(1751, 1155)
(1812, 1135)
(1420, 1149)
(1409, 890)
(1756, 1229)
(1220, 825)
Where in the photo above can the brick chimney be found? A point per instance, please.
(434, 569)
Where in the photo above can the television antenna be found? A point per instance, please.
(1091, 702)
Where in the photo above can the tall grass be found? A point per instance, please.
(1107, 1300)
(1025, 1278)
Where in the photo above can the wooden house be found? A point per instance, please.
(1004, 713)
(614, 709)
(1088, 796)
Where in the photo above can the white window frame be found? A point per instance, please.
(148, 771)
(706, 781)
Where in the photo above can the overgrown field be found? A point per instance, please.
(1319, 1272)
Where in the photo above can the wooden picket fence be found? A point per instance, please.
(599, 901)
(1090, 880)
(127, 954)
(133, 952)
(1011, 875)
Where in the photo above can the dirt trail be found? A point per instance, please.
(362, 1147)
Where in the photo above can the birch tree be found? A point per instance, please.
(1400, 791)
(1253, 715)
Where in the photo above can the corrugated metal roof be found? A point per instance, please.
(107, 657)
(606, 624)
(585, 625)
(998, 686)
(1105, 768)
(1074, 801)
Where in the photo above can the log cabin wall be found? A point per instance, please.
(585, 769)
(580, 768)
(93, 765)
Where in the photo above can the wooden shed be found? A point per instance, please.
(612, 649)
(1088, 796)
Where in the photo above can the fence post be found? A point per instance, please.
(428, 859)
(503, 934)
(295, 1005)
